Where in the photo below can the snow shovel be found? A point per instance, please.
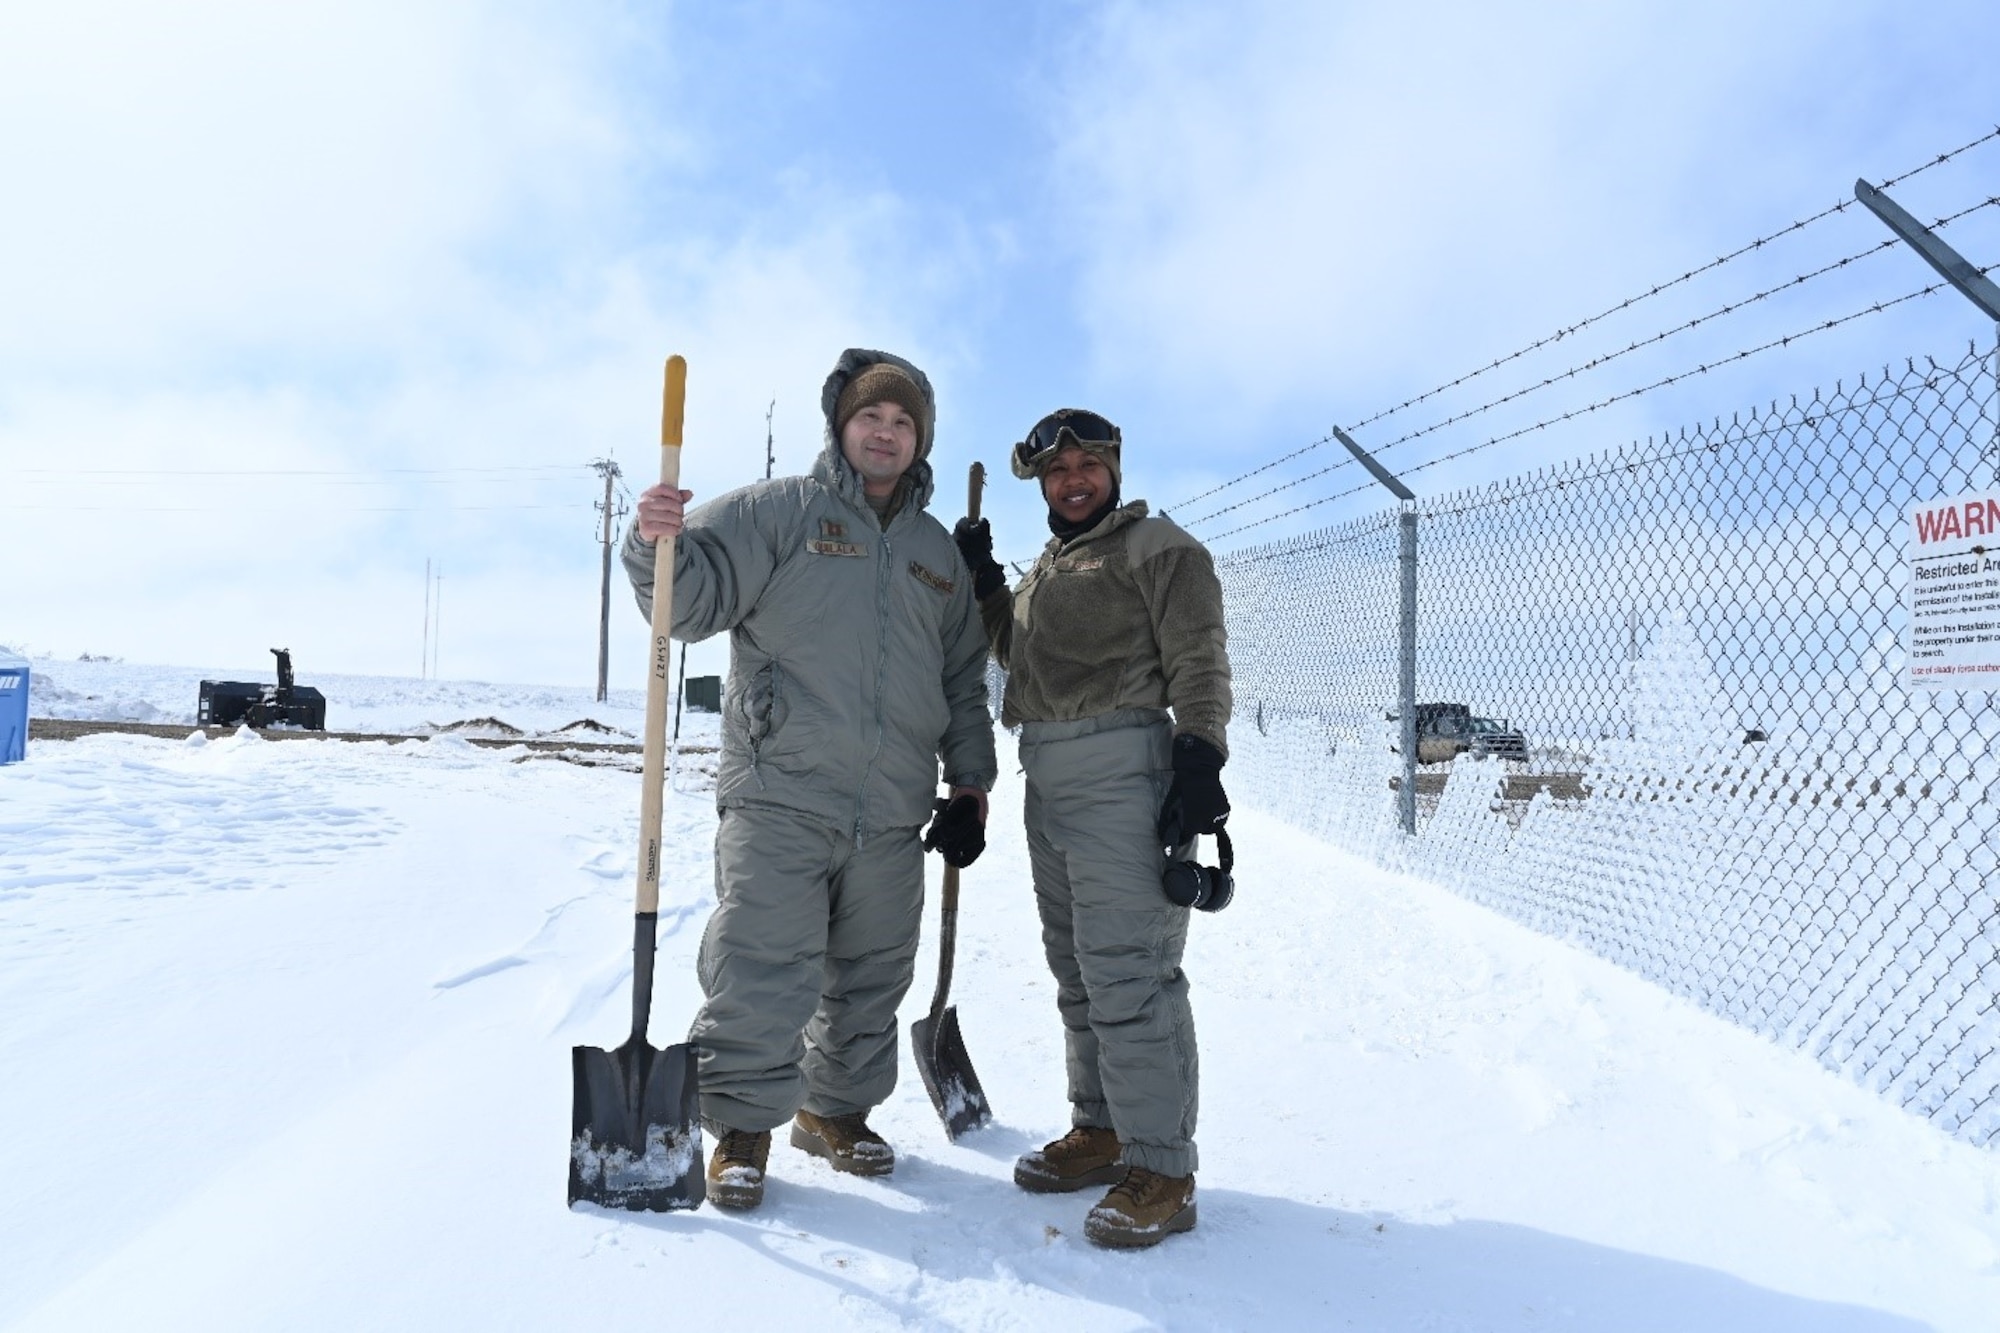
(635, 1125)
(942, 1062)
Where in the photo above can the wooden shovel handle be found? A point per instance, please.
(653, 782)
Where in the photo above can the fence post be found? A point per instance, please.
(1406, 666)
(1406, 629)
(1972, 283)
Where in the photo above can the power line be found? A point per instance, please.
(226, 478)
(555, 468)
(237, 509)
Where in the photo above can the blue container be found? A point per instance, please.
(13, 708)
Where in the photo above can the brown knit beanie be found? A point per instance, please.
(884, 383)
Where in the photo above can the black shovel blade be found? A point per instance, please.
(948, 1074)
(635, 1140)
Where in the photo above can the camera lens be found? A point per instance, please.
(1203, 888)
(1185, 884)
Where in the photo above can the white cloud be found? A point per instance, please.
(231, 181)
(1292, 211)
(449, 235)
(1267, 182)
(374, 237)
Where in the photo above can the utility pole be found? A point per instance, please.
(433, 613)
(610, 472)
(437, 620)
(770, 452)
(1406, 637)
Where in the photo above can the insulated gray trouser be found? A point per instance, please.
(1113, 940)
(809, 950)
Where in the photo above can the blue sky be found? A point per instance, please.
(435, 255)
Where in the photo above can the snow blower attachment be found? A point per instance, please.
(939, 1047)
(635, 1127)
(232, 703)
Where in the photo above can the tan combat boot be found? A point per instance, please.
(1086, 1156)
(845, 1141)
(736, 1169)
(1141, 1210)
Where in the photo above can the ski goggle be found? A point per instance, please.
(1047, 436)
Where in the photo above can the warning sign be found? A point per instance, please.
(1954, 596)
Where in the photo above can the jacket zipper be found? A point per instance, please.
(881, 673)
(757, 748)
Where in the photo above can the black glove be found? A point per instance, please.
(1195, 802)
(957, 834)
(975, 543)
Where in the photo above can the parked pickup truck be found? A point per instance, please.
(1446, 731)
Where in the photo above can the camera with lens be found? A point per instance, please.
(1204, 888)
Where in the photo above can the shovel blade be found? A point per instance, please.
(635, 1129)
(948, 1074)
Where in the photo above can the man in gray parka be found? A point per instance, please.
(856, 663)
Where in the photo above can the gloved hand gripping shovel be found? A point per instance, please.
(635, 1124)
(942, 1061)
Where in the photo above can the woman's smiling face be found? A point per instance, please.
(1075, 483)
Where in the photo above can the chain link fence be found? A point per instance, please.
(1665, 719)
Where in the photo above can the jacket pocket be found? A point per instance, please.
(784, 725)
(763, 709)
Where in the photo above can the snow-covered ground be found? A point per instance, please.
(286, 1046)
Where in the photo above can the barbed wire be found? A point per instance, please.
(1594, 363)
(1309, 543)
(1702, 369)
(1744, 617)
(1265, 495)
(1842, 206)
(1875, 309)
(1251, 555)
(1296, 509)
(1571, 330)
(1885, 244)
(1303, 449)
(1668, 454)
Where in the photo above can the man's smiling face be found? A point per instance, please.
(881, 442)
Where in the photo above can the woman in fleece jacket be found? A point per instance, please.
(1119, 621)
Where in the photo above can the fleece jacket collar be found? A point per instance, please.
(1122, 517)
